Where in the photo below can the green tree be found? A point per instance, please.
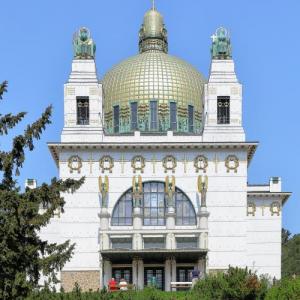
(24, 256)
(290, 259)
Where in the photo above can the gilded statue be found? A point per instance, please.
(221, 45)
(83, 44)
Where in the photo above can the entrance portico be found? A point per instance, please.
(140, 266)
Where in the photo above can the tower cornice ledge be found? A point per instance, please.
(56, 148)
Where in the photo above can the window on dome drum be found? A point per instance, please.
(83, 111)
(186, 242)
(223, 110)
(153, 115)
(154, 207)
(154, 243)
(121, 243)
(173, 116)
(134, 123)
(116, 118)
(191, 118)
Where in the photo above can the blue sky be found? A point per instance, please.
(36, 54)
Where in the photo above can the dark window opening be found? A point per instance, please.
(121, 243)
(153, 115)
(173, 116)
(186, 242)
(154, 276)
(134, 123)
(83, 111)
(119, 273)
(154, 243)
(223, 110)
(191, 118)
(184, 274)
(116, 119)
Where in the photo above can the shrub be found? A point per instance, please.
(236, 283)
(286, 289)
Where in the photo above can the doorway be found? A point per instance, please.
(154, 276)
(119, 273)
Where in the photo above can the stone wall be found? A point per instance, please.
(87, 280)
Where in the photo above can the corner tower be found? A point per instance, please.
(83, 94)
(222, 116)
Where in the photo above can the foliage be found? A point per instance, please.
(23, 254)
(235, 284)
(290, 254)
(286, 289)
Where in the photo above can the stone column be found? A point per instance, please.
(135, 272)
(137, 218)
(203, 215)
(107, 270)
(101, 272)
(171, 216)
(140, 285)
(168, 274)
(202, 266)
(170, 241)
(137, 241)
(173, 270)
(104, 219)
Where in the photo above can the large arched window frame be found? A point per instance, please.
(154, 207)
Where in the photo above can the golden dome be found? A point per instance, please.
(153, 75)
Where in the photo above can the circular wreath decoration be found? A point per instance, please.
(201, 163)
(75, 163)
(106, 159)
(251, 209)
(228, 163)
(275, 208)
(134, 163)
(169, 163)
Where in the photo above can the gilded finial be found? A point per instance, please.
(153, 34)
(153, 4)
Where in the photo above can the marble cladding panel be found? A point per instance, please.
(87, 280)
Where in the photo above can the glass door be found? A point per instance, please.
(119, 273)
(184, 274)
(155, 277)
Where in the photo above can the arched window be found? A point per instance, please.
(154, 207)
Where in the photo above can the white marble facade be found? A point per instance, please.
(239, 226)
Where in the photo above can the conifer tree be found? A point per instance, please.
(24, 256)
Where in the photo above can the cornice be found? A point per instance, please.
(56, 148)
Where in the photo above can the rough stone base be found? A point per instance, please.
(87, 280)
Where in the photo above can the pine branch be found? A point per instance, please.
(49, 197)
(14, 159)
(3, 88)
(9, 121)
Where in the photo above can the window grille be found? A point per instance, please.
(223, 110)
(83, 113)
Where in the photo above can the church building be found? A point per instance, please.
(165, 159)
